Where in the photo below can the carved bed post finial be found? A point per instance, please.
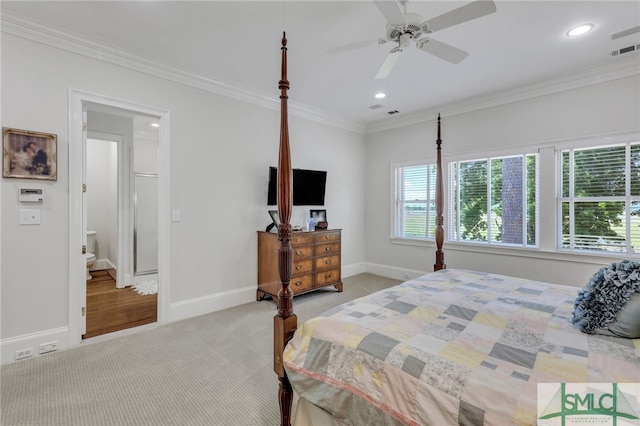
(285, 322)
(439, 206)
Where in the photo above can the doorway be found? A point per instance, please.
(82, 107)
(116, 298)
(106, 202)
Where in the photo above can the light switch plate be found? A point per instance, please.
(175, 215)
(29, 217)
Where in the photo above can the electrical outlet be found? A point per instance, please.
(24, 353)
(45, 348)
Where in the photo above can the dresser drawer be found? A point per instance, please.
(301, 239)
(328, 236)
(302, 252)
(301, 284)
(301, 266)
(327, 277)
(327, 262)
(327, 249)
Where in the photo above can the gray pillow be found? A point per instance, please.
(627, 322)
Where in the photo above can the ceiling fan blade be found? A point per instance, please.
(356, 45)
(441, 50)
(391, 11)
(388, 63)
(462, 14)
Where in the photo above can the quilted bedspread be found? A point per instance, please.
(451, 347)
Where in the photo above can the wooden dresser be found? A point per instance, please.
(316, 262)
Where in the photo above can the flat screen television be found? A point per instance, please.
(308, 187)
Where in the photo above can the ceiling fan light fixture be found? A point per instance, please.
(580, 30)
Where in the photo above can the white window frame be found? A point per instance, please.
(453, 216)
(571, 199)
(398, 184)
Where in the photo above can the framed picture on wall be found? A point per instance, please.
(29, 155)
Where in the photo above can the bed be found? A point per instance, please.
(450, 347)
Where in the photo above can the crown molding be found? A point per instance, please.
(619, 68)
(37, 32)
(25, 28)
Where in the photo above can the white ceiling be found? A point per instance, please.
(237, 44)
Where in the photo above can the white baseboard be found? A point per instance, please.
(185, 309)
(32, 342)
(102, 264)
(355, 269)
(228, 299)
(392, 272)
(211, 303)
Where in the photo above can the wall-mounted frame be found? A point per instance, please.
(29, 155)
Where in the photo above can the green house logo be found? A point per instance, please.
(582, 403)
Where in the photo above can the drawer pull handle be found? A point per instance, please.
(328, 237)
(298, 283)
(327, 249)
(327, 276)
(327, 262)
(298, 267)
(299, 252)
(298, 239)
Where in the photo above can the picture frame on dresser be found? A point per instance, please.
(275, 217)
(275, 221)
(319, 219)
(318, 215)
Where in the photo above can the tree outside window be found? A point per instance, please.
(495, 200)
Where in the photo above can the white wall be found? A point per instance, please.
(221, 149)
(600, 109)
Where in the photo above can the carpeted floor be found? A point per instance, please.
(214, 369)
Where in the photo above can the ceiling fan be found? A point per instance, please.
(404, 28)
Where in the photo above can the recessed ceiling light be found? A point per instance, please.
(380, 95)
(579, 30)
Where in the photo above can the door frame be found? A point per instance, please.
(78, 100)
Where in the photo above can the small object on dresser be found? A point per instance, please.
(311, 224)
(322, 225)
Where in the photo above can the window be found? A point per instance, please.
(414, 201)
(599, 202)
(493, 200)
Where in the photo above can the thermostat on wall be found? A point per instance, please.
(30, 195)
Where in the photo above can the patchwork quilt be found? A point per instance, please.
(451, 347)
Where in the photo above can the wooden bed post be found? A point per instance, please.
(439, 207)
(285, 322)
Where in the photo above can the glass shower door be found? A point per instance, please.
(145, 232)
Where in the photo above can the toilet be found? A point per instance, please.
(91, 249)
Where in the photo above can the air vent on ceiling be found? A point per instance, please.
(627, 49)
(395, 111)
(625, 33)
(376, 106)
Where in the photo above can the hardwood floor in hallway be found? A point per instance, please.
(112, 309)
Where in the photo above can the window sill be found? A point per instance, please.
(532, 253)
